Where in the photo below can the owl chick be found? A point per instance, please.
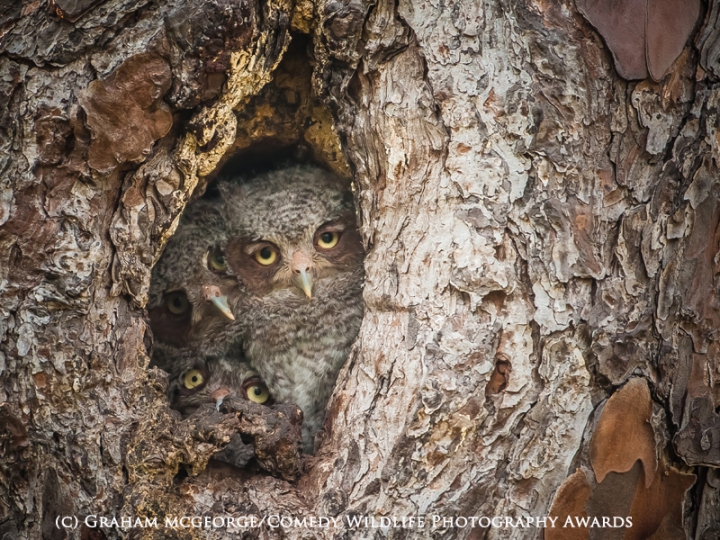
(188, 304)
(295, 249)
(196, 380)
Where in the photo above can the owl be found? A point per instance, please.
(192, 299)
(188, 305)
(295, 250)
(195, 380)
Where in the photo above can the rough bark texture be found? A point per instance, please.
(542, 294)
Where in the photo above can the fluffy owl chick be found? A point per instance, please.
(189, 289)
(295, 248)
(195, 381)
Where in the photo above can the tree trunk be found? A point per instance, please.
(542, 264)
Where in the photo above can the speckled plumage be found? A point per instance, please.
(221, 377)
(217, 379)
(298, 344)
(183, 269)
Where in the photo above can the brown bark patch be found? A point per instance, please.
(614, 497)
(624, 434)
(658, 509)
(645, 38)
(125, 112)
(669, 24)
(570, 501)
(655, 510)
(622, 25)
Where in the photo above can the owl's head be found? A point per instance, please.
(211, 380)
(291, 230)
(190, 286)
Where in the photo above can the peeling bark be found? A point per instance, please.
(542, 263)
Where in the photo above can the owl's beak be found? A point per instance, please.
(304, 282)
(221, 303)
(301, 265)
(218, 395)
(219, 300)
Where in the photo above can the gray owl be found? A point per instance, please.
(188, 306)
(195, 381)
(296, 252)
(190, 316)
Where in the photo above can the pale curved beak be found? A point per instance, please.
(219, 300)
(221, 303)
(304, 282)
(218, 395)
(301, 266)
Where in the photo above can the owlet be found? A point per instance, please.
(188, 305)
(296, 252)
(195, 381)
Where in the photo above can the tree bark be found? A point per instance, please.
(542, 260)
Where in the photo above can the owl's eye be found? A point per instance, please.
(328, 239)
(177, 303)
(256, 390)
(216, 261)
(266, 256)
(258, 393)
(193, 379)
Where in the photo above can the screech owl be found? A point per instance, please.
(188, 305)
(195, 380)
(296, 252)
(190, 316)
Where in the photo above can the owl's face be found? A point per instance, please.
(296, 264)
(293, 232)
(210, 380)
(190, 285)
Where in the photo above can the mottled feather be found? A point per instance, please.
(297, 343)
(184, 279)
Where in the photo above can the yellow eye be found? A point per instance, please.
(266, 256)
(258, 393)
(328, 240)
(177, 303)
(216, 261)
(193, 378)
